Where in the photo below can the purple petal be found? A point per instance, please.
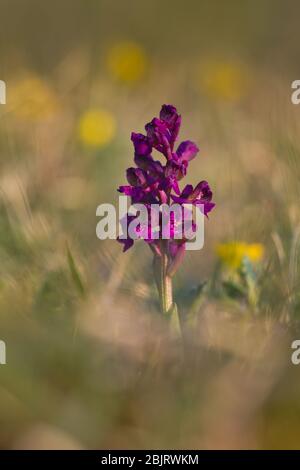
(175, 168)
(187, 150)
(127, 190)
(142, 161)
(178, 199)
(136, 193)
(169, 115)
(202, 191)
(175, 186)
(187, 191)
(156, 131)
(155, 168)
(207, 206)
(136, 176)
(141, 144)
(127, 242)
(159, 136)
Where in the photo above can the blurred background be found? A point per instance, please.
(90, 362)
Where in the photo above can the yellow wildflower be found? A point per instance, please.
(223, 80)
(127, 62)
(32, 98)
(97, 128)
(231, 254)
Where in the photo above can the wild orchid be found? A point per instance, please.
(150, 182)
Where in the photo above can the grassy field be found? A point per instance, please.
(90, 361)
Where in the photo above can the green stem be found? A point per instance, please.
(165, 290)
(164, 285)
(163, 281)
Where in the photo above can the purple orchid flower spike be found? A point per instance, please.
(152, 182)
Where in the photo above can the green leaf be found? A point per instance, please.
(197, 301)
(75, 274)
(234, 290)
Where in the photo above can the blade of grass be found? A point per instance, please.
(75, 274)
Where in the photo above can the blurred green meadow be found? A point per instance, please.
(90, 361)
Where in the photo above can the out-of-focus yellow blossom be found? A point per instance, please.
(97, 128)
(231, 254)
(33, 99)
(127, 62)
(223, 80)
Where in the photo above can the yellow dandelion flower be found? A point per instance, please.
(231, 254)
(33, 99)
(97, 128)
(127, 62)
(223, 80)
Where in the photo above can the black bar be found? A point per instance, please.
(149, 458)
